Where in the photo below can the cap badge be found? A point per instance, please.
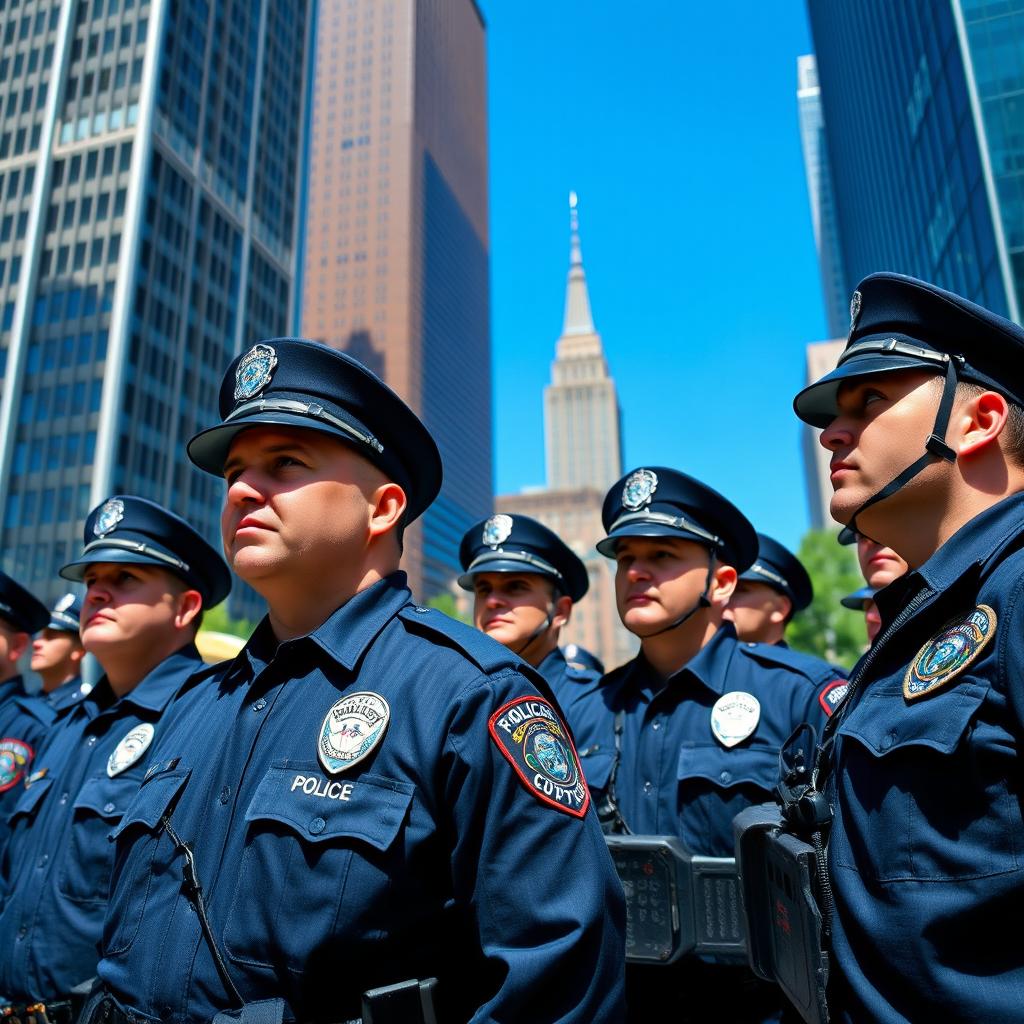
(132, 746)
(64, 603)
(351, 730)
(734, 717)
(108, 517)
(947, 654)
(497, 530)
(855, 305)
(254, 371)
(640, 485)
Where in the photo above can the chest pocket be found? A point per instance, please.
(319, 851)
(928, 783)
(29, 801)
(134, 842)
(726, 767)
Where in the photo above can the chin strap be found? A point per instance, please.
(935, 448)
(538, 632)
(702, 603)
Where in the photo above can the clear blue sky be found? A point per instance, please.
(679, 131)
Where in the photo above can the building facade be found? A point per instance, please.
(819, 192)
(396, 249)
(922, 103)
(150, 161)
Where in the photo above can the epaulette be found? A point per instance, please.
(204, 672)
(580, 672)
(36, 707)
(808, 665)
(487, 654)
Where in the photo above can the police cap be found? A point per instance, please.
(290, 382)
(855, 601)
(778, 568)
(66, 614)
(901, 323)
(660, 502)
(506, 543)
(19, 608)
(136, 531)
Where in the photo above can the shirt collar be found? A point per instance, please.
(153, 693)
(709, 666)
(554, 659)
(11, 688)
(66, 693)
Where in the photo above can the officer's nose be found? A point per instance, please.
(836, 436)
(244, 489)
(494, 600)
(637, 571)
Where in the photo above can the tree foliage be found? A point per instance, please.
(217, 620)
(446, 603)
(826, 628)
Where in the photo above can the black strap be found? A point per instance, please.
(194, 891)
(702, 602)
(608, 813)
(935, 447)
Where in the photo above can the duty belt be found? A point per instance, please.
(53, 1011)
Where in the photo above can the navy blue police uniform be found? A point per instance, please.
(24, 719)
(923, 770)
(389, 797)
(519, 544)
(65, 617)
(682, 756)
(777, 567)
(57, 865)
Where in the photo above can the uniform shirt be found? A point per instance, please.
(926, 853)
(675, 777)
(430, 856)
(566, 677)
(56, 867)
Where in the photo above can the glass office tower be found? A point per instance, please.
(150, 161)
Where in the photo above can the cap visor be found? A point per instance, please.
(75, 571)
(817, 404)
(607, 545)
(855, 601)
(503, 561)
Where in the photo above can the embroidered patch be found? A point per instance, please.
(533, 740)
(639, 488)
(351, 730)
(108, 517)
(497, 530)
(734, 717)
(15, 757)
(254, 371)
(948, 653)
(832, 696)
(132, 746)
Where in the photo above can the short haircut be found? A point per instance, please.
(1012, 436)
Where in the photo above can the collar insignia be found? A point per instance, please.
(132, 746)
(948, 653)
(254, 371)
(351, 730)
(109, 516)
(734, 717)
(639, 488)
(497, 530)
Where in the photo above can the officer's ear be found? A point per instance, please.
(979, 419)
(17, 644)
(387, 508)
(563, 611)
(190, 609)
(723, 584)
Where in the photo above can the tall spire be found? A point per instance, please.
(577, 302)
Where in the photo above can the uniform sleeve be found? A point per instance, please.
(530, 860)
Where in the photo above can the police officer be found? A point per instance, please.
(863, 600)
(525, 581)
(148, 575)
(769, 593)
(370, 793)
(879, 565)
(684, 736)
(57, 653)
(923, 417)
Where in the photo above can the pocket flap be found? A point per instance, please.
(597, 768)
(318, 808)
(151, 800)
(108, 798)
(29, 799)
(884, 721)
(730, 766)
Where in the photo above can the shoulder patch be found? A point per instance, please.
(532, 738)
(15, 757)
(949, 652)
(832, 696)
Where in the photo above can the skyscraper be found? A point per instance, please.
(819, 191)
(922, 109)
(149, 167)
(583, 442)
(581, 409)
(396, 259)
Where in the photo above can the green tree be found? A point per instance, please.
(217, 620)
(826, 628)
(446, 603)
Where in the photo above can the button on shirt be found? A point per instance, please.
(429, 857)
(926, 852)
(675, 777)
(57, 864)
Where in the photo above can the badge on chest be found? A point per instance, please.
(351, 730)
(132, 746)
(948, 653)
(734, 717)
